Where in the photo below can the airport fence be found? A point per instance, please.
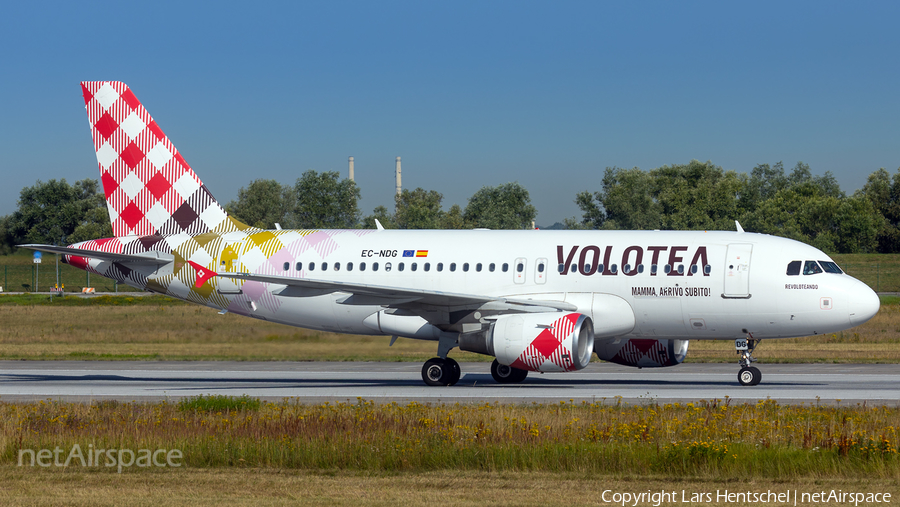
(43, 278)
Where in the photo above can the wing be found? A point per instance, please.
(365, 294)
(147, 258)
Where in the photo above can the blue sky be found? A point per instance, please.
(468, 93)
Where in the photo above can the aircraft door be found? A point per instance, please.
(540, 271)
(519, 270)
(737, 271)
(230, 262)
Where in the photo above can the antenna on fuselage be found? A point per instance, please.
(738, 225)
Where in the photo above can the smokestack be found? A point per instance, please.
(351, 168)
(399, 185)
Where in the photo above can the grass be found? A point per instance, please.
(267, 487)
(218, 403)
(712, 440)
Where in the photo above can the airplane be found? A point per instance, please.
(537, 301)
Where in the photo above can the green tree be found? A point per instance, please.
(883, 191)
(418, 209)
(506, 206)
(381, 214)
(51, 213)
(324, 201)
(697, 195)
(453, 219)
(263, 204)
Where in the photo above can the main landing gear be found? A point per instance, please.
(749, 375)
(441, 372)
(504, 374)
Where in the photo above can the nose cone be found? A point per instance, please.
(864, 304)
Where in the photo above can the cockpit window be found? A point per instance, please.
(811, 268)
(793, 268)
(830, 267)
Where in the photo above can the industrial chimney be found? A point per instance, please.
(399, 185)
(351, 168)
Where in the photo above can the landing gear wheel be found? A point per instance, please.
(440, 372)
(757, 375)
(504, 374)
(749, 376)
(453, 370)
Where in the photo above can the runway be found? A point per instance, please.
(317, 382)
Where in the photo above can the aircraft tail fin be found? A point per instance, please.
(150, 189)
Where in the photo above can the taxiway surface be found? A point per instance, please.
(382, 382)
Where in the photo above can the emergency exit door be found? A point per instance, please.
(737, 271)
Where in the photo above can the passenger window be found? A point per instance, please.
(694, 269)
(626, 268)
(465, 266)
(491, 267)
(505, 267)
(312, 266)
(667, 269)
(681, 269)
(574, 268)
(387, 266)
(399, 266)
(440, 267)
(427, 266)
(561, 268)
(452, 266)
(520, 267)
(324, 266)
(349, 266)
(653, 269)
(413, 266)
(374, 266)
(600, 268)
(478, 267)
(793, 268)
(287, 266)
(299, 266)
(707, 269)
(640, 268)
(587, 268)
(830, 267)
(362, 266)
(613, 269)
(811, 268)
(541, 267)
(337, 266)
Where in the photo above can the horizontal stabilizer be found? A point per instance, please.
(148, 258)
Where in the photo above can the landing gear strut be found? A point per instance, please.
(749, 375)
(504, 374)
(441, 372)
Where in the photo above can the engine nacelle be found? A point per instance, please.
(544, 342)
(642, 352)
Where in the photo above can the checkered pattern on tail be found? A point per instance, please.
(150, 189)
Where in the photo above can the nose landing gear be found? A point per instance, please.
(749, 375)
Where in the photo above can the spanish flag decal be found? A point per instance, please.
(421, 253)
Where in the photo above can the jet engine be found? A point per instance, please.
(642, 352)
(544, 342)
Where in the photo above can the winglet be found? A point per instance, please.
(739, 228)
(203, 274)
(378, 225)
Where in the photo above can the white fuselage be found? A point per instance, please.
(689, 285)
